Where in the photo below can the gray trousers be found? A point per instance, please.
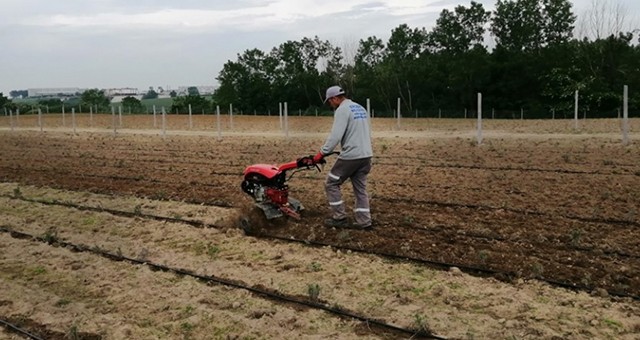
(356, 170)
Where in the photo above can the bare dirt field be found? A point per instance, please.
(540, 223)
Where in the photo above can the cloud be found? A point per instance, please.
(253, 16)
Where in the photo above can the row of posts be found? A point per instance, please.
(284, 113)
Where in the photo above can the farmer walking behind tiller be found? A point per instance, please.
(350, 129)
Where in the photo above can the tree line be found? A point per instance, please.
(536, 64)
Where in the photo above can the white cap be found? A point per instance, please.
(333, 91)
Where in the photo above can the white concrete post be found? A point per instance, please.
(576, 111)
(190, 119)
(91, 116)
(625, 115)
(369, 116)
(465, 113)
(231, 116)
(10, 118)
(369, 107)
(218, 121)
(64, 120)
(73, 120)
(399, 113)
(521, 113)
(113, 120)
(280, 116)
(155, 120)
(120, 117)
(17, 117)
(479, 118)
(286, 119)
(40, 119)
(164, 122)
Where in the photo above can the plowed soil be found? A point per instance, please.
(534, 201)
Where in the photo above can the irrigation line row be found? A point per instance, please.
(513, 210)
(271, 295)
(431, 263)
(388, 199)
(438, 228)
(14, 328)
(476, 167)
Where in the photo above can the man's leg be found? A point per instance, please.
(335, 178)
(359, 181)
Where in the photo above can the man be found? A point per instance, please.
(350, 129)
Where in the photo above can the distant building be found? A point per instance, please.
(202, 90)
(118, 99)
(53, 92)
(123, 92)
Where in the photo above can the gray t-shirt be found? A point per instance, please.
(351, 130)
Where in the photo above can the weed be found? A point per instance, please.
(187, 311)
(17, 193)
(315, 267)
(212, 251)
(187, 329)
(613, 324)
(337, 306)
(384, 148)
(62, 302)
(586, 280)
(630, 215)
(39, 270)
(538, 268)
(73, 333)
(483, 255)
(575, 235)
(50, 236)
(160, 195)
(420, 323)
(313, 290)
(89, 221)
(344, 235)
(408, 220)
(566, 158)
(137, 209)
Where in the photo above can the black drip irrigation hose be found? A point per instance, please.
(504, 168)
(271, 295)
(436, 264)
(14, 328)
(512, 210)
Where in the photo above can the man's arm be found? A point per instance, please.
(340, 122)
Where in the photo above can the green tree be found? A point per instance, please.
(404, 48)
(133, 105)
(193, 91)
(559, 21)
(95, 97)
(4, 101)
(517, 25)
(53, 104)
(198, 104)
(19, 93)
(458, 31)
(151, 94)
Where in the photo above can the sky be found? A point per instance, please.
(142, 43)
